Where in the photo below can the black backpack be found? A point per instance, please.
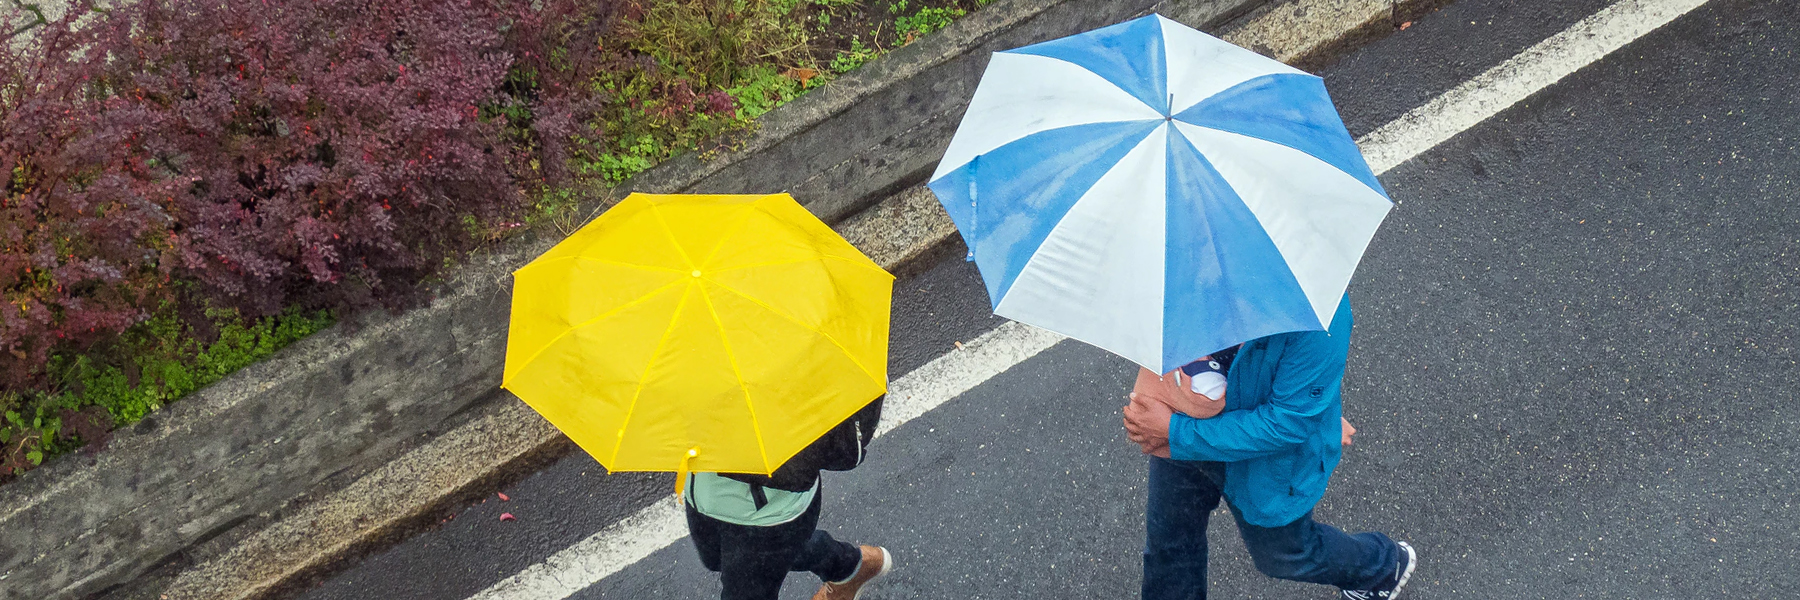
(840, 449)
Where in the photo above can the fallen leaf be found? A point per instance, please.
(1405, 25)
(802, 74)
(503, 496)
(508, 517)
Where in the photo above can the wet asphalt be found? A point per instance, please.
(1574, 369)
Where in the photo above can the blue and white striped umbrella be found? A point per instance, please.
(1158, 192)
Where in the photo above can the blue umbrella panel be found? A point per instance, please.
(1158, 192)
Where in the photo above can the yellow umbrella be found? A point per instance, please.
(712, 333)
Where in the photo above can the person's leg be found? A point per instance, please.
(704, 531)
(845, 568)
(755, 560)
(828, 558)
(1181, 499)
(833, 561)
(1313, 552)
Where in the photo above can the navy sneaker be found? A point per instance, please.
(1390, 587)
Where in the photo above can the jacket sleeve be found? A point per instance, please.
(1308, 378)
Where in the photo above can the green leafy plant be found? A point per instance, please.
(856, 56)
(925, 21)
(153, 363)
(690, 73)
(171, 361)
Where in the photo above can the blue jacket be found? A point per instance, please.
(1279, 435)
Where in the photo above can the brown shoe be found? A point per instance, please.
(875, 563)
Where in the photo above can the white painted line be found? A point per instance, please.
(930, 386)
(657, 526)
(1518, 78)
(613, 549)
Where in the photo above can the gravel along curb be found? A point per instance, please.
(215, 488)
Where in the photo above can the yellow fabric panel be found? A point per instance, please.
(697, 224)
(828, 297)
(784, 209)
(630, 233)
(692, 399)
(587, 394)
(567, 292)
(740, 326)
(801, 383)
(780, 230)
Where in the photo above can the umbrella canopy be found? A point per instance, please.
(713, 333)
(1158, 192)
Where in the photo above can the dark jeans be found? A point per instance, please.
(753, 561)
(1183, 495)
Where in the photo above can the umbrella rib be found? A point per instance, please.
(731, 356)
(1261, 139)
(769, 264)
(638, 392)
(597, 260)
(821, 257)
(724, 238)
(803, 325)
(670, 231)
(607, 315)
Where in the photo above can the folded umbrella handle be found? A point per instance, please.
(681, 473)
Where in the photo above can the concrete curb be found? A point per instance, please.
(234, 454)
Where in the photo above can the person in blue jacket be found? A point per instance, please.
(1268, 447)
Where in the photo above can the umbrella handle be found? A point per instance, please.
(681, 473)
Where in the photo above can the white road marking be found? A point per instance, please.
(661, 524)
(1518, 78)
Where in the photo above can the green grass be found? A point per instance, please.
(857, 56)
(165, 359)
(912, 25)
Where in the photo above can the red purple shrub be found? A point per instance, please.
(263, 155)
(83, 229)
(336, 149)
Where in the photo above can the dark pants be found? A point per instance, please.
(752, 561)
(1183, 495)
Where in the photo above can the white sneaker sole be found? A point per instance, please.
(1412, 562)
(887, 564)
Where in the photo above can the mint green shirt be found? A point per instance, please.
(729, 500)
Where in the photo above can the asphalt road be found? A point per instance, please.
(1574, 366)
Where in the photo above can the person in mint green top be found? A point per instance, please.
(1267, 448)
(754, 529)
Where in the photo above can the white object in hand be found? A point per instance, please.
(1209, 383)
